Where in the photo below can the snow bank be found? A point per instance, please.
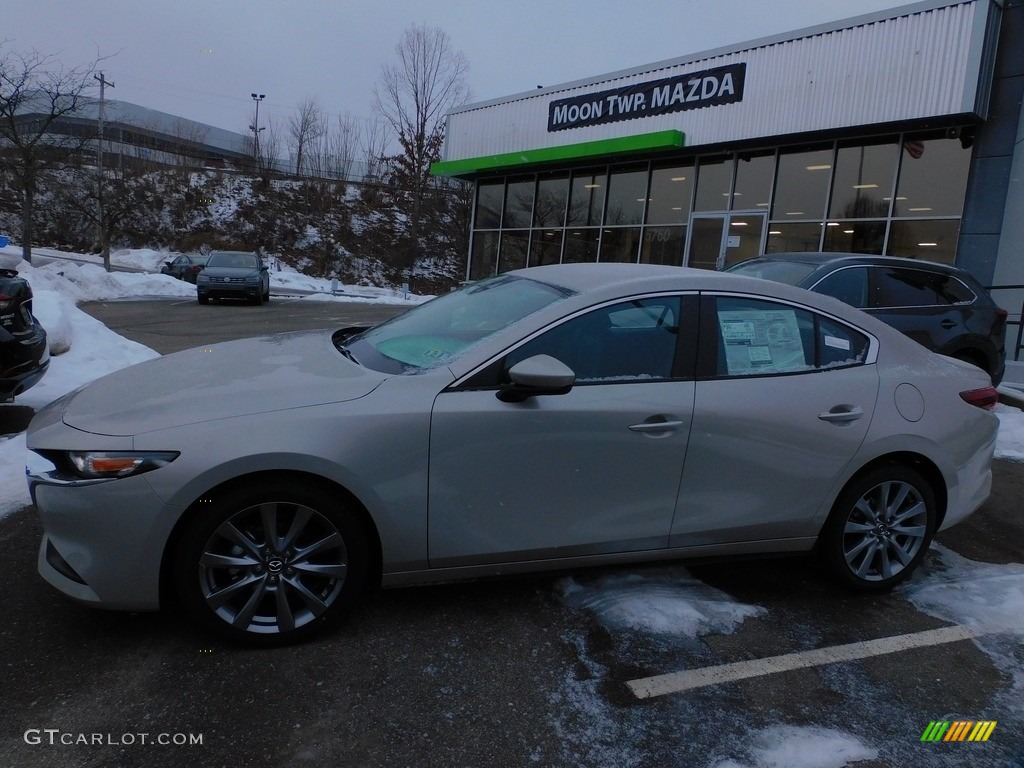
(1010, 442)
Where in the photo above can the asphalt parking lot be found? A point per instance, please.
(517, 672)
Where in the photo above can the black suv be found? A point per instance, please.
(24, 355)
(942, 307)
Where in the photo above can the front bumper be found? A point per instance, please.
(229, 290)
(103, 541)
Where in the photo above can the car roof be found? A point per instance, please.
(597, 282)
(818, 259)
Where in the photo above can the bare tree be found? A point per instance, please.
(37, 93)
(190, 137)
(374, 145)
(305, 128)
(344, 141)
(413, 96)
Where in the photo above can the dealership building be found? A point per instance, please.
(898, 132)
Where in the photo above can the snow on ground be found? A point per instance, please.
(985, 597)
(669, 603)
(788, 746)
(93, 283)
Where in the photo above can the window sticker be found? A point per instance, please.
(835, 343)
(759, 341)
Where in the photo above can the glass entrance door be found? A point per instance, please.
(719, 240)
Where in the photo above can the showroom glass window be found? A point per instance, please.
(518, 203)
(755, 172)
(930, 196)
(714, 182)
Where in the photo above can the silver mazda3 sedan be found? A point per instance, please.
(547, 418)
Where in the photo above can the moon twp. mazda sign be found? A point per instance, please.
(708, 88)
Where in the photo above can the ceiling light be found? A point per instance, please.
(591, 186)
(920, 209)
(865, 186)
(678, 178)
(774, 232)
(832, 224)
(739, 223)
(795, 213)
(677, 208)
(818, 167)
(762, 205)
(847, 231)
(927, 245)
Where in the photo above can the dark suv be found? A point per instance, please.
(24, 355)
(942, 307)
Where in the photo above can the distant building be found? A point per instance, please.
(136, 132)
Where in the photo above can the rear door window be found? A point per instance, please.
(849, 285)
(898, 287)
(759, 338)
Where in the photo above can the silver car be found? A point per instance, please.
(547, 418)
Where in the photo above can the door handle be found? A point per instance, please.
(948, 323)
(655, 426)
(841, 414)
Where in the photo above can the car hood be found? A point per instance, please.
(222, 381)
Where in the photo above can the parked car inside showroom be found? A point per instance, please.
(940, 306)
(24, 350)
(234, 275)
(185, 266)
(552, 417)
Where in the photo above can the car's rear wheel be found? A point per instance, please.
(271, 564)
(879, 529)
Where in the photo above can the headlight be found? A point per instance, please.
(110, 464)
(201, 278)
(252, 278)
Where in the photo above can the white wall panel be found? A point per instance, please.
(912, 65)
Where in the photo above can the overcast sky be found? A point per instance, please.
(201, 59)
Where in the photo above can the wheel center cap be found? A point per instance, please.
(275, 565)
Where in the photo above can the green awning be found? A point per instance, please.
(587, 150)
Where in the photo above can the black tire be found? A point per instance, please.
(258, 299)
(879, 529)
(203, 299)
(266, 297)
(234, 581)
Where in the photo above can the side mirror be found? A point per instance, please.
(264, 268)
(537, 375)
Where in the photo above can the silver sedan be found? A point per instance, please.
(547, 418)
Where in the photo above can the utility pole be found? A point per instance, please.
(101, 224)
(255, 127)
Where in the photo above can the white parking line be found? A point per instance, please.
(674, 682)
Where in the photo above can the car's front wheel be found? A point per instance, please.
(879, 528)
(203, 299)
(271, 564)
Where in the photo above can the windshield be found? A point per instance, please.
(232, 259)
(789, 272)
(443, 328)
